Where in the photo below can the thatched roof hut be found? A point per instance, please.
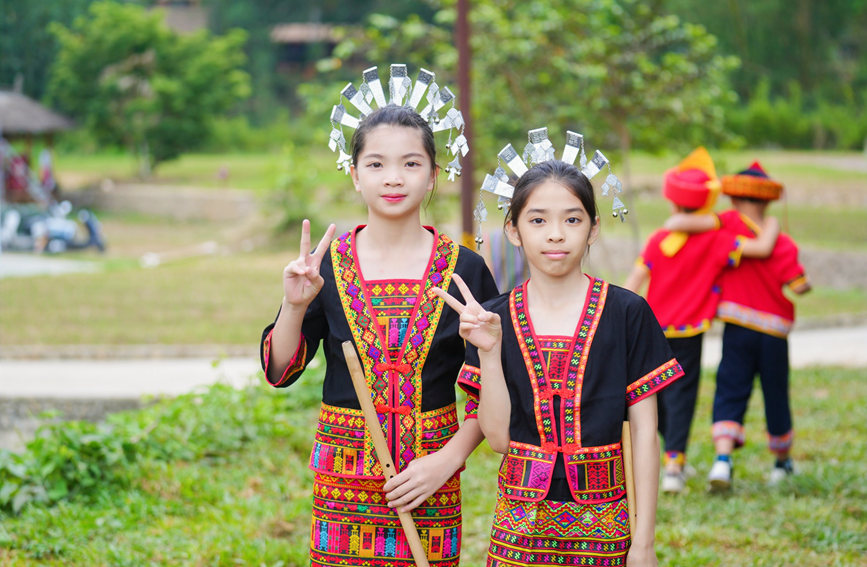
(23, 116)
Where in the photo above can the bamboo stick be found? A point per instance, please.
(381, 446)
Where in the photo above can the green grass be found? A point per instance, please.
(209, 300)
(252, 506)
(259, 172)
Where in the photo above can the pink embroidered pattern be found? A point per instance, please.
(395, 384)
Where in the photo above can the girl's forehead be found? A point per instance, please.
(551, 194)
(394, 135)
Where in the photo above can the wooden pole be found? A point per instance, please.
(626, 448)
(381, 446)
(468, 187)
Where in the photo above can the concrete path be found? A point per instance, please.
(132, 378)
(18, 264)
(119, 378)
(833, 346)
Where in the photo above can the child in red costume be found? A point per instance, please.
(758, 318)
(681, 271)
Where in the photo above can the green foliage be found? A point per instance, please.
(819, 45)
(252, 507)
(81, 460)
(604, 67)
(135, 83)
(790, 122)
(27, 48)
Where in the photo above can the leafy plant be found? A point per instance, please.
(77, 459)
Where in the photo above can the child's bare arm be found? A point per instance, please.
(495, 405)
(645, 452)
(483, 329)
(801, 285)
(762, 245)
(637, 278)
(691, 222)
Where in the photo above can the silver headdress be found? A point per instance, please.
(439, 110)
(540, 149)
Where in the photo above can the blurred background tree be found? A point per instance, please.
(136, 83)
(801, 82)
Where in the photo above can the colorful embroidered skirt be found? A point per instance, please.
(558, 533)
(353, 525)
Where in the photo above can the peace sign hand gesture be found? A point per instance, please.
(478, 326)
(301, 279)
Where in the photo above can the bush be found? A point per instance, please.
(792, 122)
(76, 459)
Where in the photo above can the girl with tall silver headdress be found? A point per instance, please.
(372, 286)
(559, 363)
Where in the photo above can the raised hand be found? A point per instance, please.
(478, 326)
(301, 279)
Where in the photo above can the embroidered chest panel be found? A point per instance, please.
(393, 378)
(565, 384)
(556, 368)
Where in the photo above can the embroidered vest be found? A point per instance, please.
(343, 445)
(594, 474)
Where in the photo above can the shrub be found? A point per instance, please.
(79, 459)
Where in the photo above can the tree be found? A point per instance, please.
(27, 48)
(821, 46)
(617, 70)
(136, 83)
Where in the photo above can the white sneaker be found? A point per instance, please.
(780, 471)
(673, 483)
(720, 476)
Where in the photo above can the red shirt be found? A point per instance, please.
(752, 295)
(682, 291)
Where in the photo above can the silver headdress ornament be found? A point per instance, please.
(438, 110)
(540, 149)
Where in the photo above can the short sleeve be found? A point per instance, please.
(651, 365)
(786, 264)
(470, 380)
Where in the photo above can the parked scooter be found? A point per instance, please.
(27, 228)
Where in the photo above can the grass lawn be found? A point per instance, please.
(254, 171)
(225, 299)
(252, 506)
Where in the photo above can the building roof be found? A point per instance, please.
(20, 114)
(303, 33)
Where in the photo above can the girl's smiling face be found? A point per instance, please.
(554, 229)
(393, 171)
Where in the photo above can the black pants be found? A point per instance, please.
(746, 353)
(676, 403)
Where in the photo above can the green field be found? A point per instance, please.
(225, 298)
(242, 495)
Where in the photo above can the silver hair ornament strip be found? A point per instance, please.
(595, 166)
(436, 100)
(510, 156)
(354, 96)
(371, 79)
(424, 79)
(398, 84)
(340, 116)
(493, 185)
(574, 146)
(539, 148)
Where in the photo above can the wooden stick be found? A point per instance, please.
(381, 446)
(626, 448)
